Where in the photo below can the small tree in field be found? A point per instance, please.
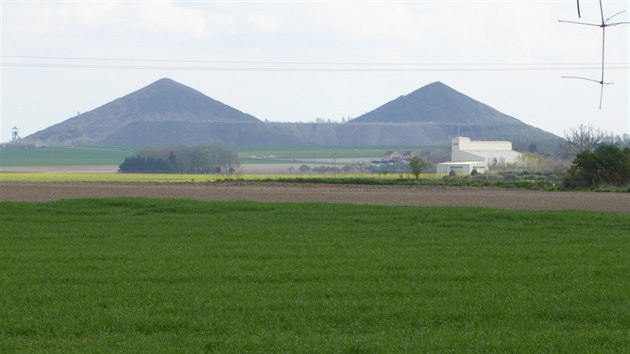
(417, 165)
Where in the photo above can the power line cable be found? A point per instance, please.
(261, 62)
(298, 69)
(281, 69)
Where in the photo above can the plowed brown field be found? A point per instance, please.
(355, 194)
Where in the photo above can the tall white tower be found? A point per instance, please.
(14, 134)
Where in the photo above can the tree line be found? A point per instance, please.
(601, 159)
(182, 159)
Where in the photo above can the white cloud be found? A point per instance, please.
(264, 21)
(510, 32)
(148, 16)
(371, 21)
(38, 18)
(91, 14)
(166, 17)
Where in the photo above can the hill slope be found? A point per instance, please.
(169, 113)
(439, 104)
(163, 100)
(326, 134)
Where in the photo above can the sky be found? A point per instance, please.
(295, 61)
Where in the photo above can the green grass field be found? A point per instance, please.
(71, 156)
(134, 275)
(62, 156)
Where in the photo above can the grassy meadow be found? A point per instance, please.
(136, 275)
(88, 156)
(63, 156)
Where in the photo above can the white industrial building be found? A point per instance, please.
(468, 155)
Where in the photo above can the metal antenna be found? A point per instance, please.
(578, 7)
(603, 26)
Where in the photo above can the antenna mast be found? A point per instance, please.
(604, 23)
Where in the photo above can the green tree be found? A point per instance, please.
(532, 148)
(200, 160)
(607, 165)
(417, 165)
(182, 159)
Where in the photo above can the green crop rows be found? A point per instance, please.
(148, 276)
(63, 156)
(73, 156)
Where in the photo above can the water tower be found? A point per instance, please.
(14, 134)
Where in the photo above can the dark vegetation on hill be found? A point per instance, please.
(169, 113)
(200, 159)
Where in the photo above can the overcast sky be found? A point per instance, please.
(299, 60)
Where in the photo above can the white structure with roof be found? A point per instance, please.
(468, 155)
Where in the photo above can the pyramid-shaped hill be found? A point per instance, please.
(436, 103)
(440, 108)
(162, 101)
(169, 113)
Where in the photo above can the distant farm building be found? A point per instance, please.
(468, 155)
(394, 158)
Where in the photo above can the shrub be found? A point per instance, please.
(607, 165)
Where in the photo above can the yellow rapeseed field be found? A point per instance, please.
(181, 178)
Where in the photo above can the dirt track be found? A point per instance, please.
(356, 194)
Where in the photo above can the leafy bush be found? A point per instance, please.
(418, 165)
(607, 165)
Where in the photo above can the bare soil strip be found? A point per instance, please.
(355, 194)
